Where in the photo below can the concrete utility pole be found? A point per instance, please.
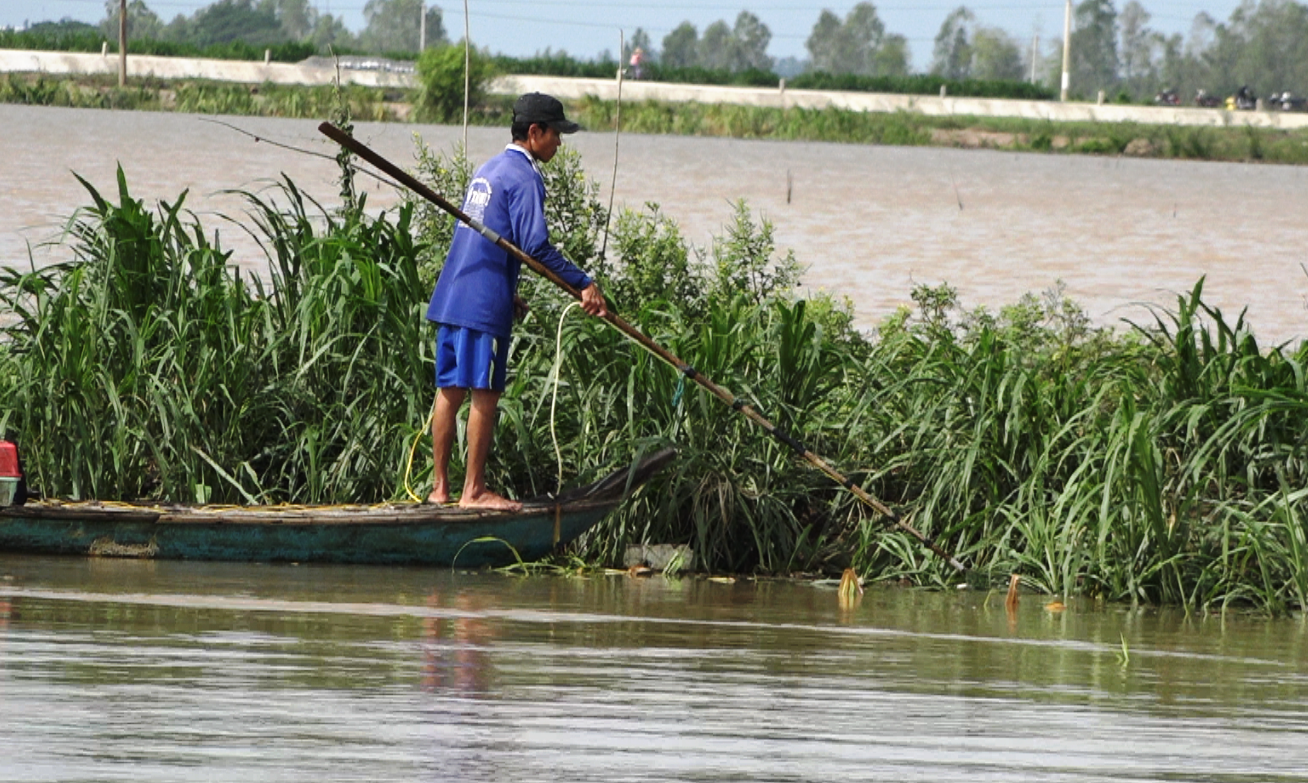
(122, 43)
(1067, 50)
(422, 26)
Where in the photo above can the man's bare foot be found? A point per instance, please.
(488, 500)
(438, 497)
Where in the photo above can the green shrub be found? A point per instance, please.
(442, 73)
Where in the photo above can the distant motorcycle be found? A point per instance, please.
(1243, 100)
(1167, 98)
(1202, 98)
(1285, 101)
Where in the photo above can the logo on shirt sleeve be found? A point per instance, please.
(479, 196)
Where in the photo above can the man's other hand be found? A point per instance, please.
(592, 301)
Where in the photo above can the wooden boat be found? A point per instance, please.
(382, 534)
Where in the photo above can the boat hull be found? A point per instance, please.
(385, 534)
(471, 543)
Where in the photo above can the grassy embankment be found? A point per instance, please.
(831, 125)
(1165, 464)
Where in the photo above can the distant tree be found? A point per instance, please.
(865, 37)
(330, 31)
(681, 47)
(714, 49)
(891, 57)
(297, 17)
(1094, 47)
(393, 26)
(142, 23)
(1267, 46)
(233, 20)
(715, 46)
(824, 43)
(952, 55)
(1203, 33)
(858, 45)
(1049, 66)
(177, 30)
(750, 45)
(1139, 49)
(436, 35)
(1175, 69)
(996, 56)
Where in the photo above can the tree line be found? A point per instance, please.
(1263, 45)
(390, 26)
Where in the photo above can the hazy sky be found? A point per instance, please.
(585, 28)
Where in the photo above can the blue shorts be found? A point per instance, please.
(469, 359)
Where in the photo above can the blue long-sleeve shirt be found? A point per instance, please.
(477, 284)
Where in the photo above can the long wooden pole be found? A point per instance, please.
(363, 151)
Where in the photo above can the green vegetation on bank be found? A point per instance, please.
(198, 96)
(911, 128)
(1164, 465)
(85, 38)
(922, 84)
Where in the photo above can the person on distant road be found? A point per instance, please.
(637, 62)
(475, 299)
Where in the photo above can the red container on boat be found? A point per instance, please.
(9, 460)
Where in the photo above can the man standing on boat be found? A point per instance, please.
(476, 295)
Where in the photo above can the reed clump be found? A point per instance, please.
(1160, 464)
(149, 367)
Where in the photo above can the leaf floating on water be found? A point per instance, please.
(725, 580)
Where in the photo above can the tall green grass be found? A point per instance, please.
(150, 367)
(1160, 464)
(95, 91)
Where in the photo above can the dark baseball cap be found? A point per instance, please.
(539, 108)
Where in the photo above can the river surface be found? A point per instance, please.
(128, 670)
(868, 222)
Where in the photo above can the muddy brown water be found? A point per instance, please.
(869, 222)
(130, 670)
(156, 671)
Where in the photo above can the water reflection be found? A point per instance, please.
(455, 645)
